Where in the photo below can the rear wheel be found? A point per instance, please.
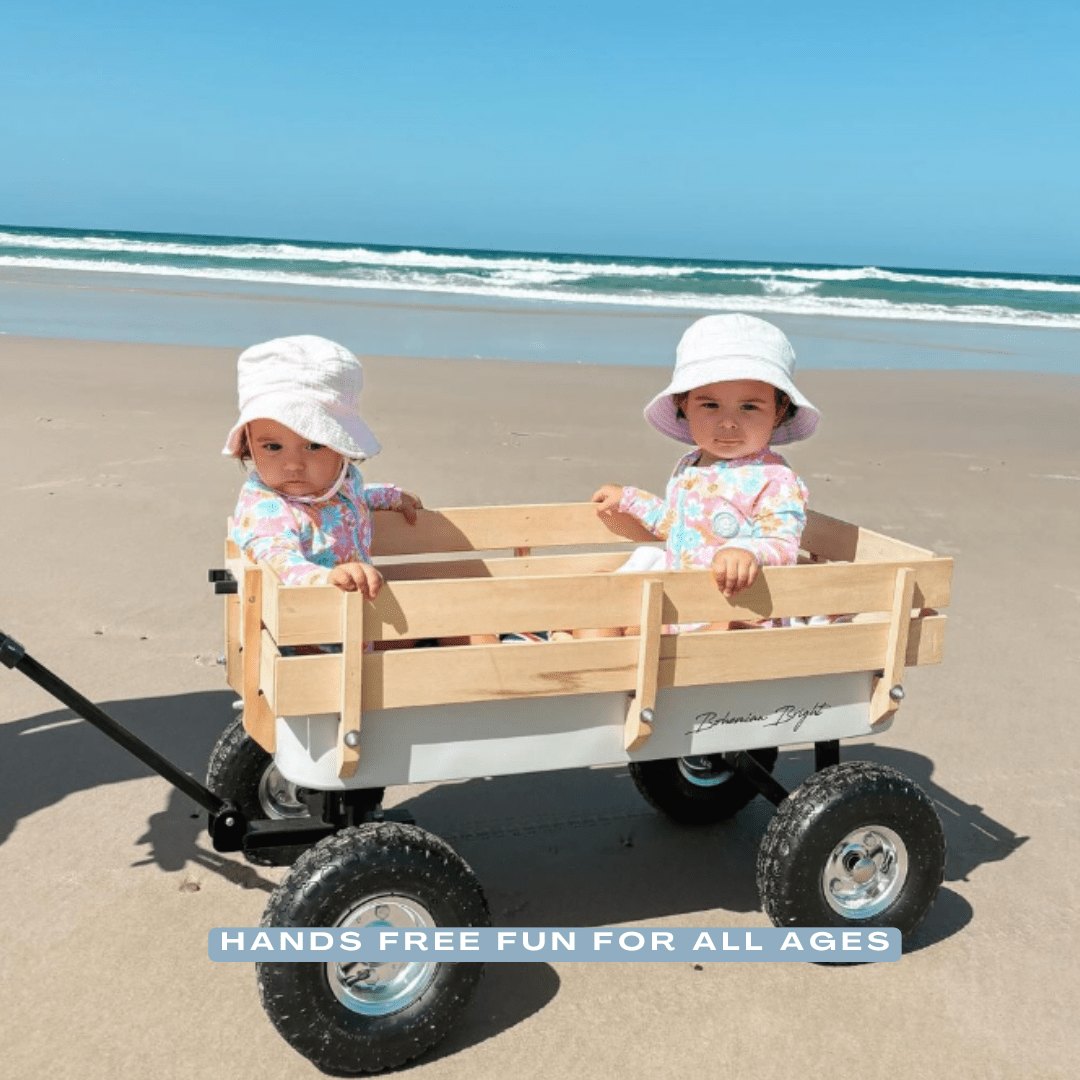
(698, 790)
(364, 1016)
(242, 771)
(857, 845)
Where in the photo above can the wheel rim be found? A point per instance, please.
(865, 872)
(280, 798)
(376, 988)
(705, 770)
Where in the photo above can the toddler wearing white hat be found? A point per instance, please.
(732, 504)
(305, 509)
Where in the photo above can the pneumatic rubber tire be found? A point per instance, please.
(700, 795)
(384, 875)
(242, 771)
(857, 845)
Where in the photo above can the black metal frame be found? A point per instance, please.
(228, 827)
(826, 753)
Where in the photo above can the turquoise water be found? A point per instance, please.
(865, 292)
(231, 291)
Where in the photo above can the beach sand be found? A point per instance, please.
(115, 502)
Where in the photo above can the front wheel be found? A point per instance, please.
(698, 790)
(359, 1017)
(857, 845)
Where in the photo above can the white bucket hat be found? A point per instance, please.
(721, 348)
(310, 385)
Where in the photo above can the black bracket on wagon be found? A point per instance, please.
(223, 581)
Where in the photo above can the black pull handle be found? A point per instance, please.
(222, 580)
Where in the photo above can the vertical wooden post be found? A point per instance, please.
(889, 686)
(259, 721)
(352, 669)
(234, 674)
(638, 727)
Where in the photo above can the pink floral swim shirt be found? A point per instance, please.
(304, 541)
(756, 503)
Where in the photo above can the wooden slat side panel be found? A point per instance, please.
(234, 670)
(269, 655)
(876, 547)
(309, 615)
(310, 684)
(485, 528)
(270, 600)
(638, 727)
(830, 538)
(258, 717)
(446, 608)
(881, 702)
(839, 541)
(250, 592)
(353, 611)
(518, 566)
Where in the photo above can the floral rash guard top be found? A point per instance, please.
(304, 541)
(756, 503)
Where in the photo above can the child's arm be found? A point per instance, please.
(265, 531)
(280, 549)
(775, 531)
(621, 522)
(391, 497)
(649, 511)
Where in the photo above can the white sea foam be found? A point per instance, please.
(384, 279)
(778, 287)
(535, 270)
(360, 256)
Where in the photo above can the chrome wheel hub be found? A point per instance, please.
(380, 988)
(705, 770)
(280, 798)
(865, 872)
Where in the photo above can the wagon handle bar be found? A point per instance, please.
(14, 656)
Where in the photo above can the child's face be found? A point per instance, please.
(731, 419)
(288, 462)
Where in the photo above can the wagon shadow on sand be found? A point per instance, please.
(575, 847)
(571, 844)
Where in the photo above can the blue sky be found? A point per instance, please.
(919, 134)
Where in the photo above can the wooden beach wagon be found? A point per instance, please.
(332, 714)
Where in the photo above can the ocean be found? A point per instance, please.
(459, 302)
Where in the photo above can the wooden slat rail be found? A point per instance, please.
(234, 671)
(258, 719)
(518, 566)
(311, 684)
(838, 541)
(444, 608)
(639, 713)
(352, 671)
(488, 528)
(888, 687)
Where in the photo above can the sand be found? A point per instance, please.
(114, 504)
